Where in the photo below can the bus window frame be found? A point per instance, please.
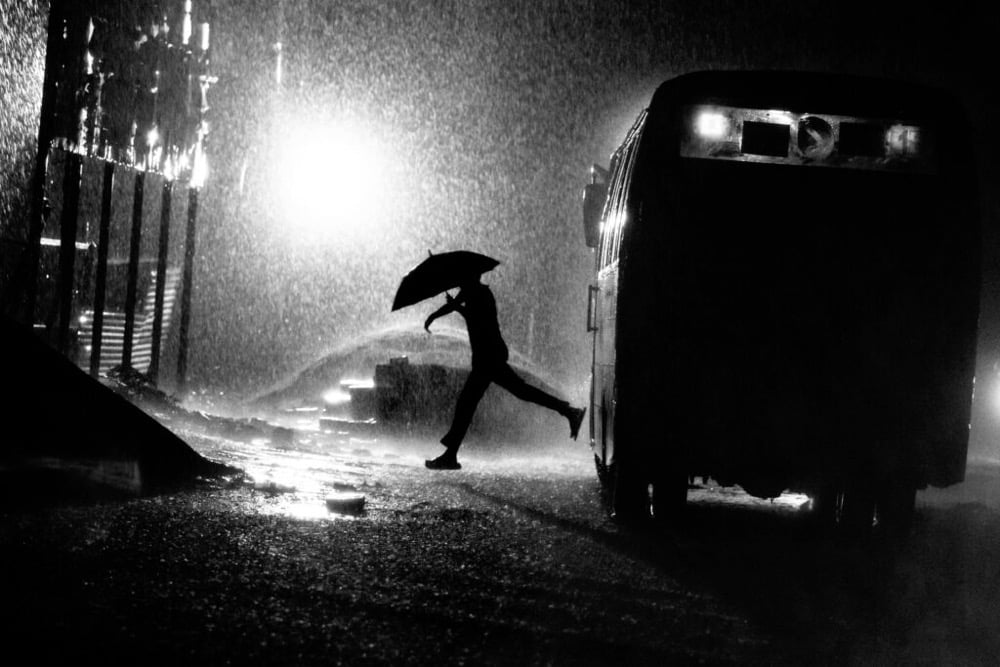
(615, 215)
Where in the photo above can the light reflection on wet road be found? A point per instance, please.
(512, 560)
(296, 474)
(742, 578)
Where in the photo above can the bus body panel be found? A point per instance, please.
(783, 326)
(603, 405)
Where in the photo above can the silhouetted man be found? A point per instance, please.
(476, 304)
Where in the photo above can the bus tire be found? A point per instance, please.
(857, 512)
(669, 496)
(826, 508)
(629, 495)
(895, 504)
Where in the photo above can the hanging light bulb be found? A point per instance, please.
(278, 60)
(204, 36)
(199, 168)
(186, 23)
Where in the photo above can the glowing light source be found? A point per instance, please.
(204, 36)
(186, 25)
(278, 68)
(336, 396)
(904, 139)
(331, 181)
(169, 167)
(712, 125)
(199, 168)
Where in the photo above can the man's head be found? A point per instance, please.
(470, 281)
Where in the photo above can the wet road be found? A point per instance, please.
(510, 561)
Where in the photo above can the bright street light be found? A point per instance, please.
(332, 181)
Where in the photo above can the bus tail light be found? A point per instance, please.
(903, 140)
(712, 125)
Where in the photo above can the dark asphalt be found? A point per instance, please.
(490, 565)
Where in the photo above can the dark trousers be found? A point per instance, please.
(475, 386)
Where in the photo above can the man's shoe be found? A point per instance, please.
(575, 419)
(444, 462)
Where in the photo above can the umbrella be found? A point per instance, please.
(439, 273)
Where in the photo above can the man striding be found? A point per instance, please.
(476, 304)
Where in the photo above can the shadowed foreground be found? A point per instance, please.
(486, 567)
(65, 430)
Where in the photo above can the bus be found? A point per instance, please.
(785, 295)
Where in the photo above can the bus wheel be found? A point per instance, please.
(826, 507)
(669, 496)
(630, 495)
(895, 506)
(857, 512)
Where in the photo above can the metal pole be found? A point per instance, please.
(186, 283)
(161, 278)
(103, 237)
(133, 269)
(67, 245)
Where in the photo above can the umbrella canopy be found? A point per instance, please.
(439, 273)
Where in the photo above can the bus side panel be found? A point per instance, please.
(652, 426)
(604, 364)
(616, 220)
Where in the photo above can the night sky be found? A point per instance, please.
(484, 118)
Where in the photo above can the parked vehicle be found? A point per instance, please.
(786, 294)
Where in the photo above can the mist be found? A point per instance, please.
(349, 140)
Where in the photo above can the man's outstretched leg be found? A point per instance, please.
(512, 382)
(473, 390)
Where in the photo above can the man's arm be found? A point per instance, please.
(450, 306)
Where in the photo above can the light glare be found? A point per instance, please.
(199, 170)
(331, 182)
(336, 396)
(996, 396)
(712, 125)
(904, 139)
